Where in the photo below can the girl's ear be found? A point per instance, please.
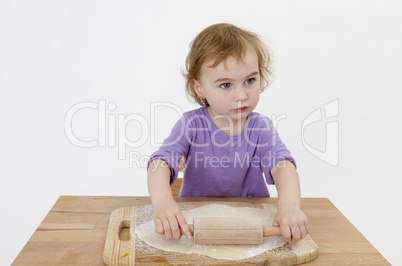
(198, 88)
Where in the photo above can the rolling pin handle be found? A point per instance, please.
(191, 227)
(271, 231)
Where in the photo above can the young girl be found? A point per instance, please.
(226, 146)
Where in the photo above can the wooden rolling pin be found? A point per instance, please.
(207, 230)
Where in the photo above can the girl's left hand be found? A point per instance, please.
(293, 223)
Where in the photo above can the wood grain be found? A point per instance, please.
(116, 251)
(218, 230)
(74, 232)
(223, 222)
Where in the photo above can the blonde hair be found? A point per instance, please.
(218, 42)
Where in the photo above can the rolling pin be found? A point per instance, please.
(222, 230)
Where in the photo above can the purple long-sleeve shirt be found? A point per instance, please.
(219, 165)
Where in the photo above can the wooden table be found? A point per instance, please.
(74, 232)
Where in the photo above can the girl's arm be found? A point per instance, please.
(293, 222)
(167, 215)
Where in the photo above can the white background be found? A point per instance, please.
(55, 54)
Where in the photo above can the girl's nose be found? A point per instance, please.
(241, 95)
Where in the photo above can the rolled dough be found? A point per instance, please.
(146, 232)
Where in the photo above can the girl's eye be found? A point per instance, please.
(225, 86)
(250, 81)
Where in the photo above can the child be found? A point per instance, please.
(226, 147)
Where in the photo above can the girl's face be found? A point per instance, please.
(232, 88)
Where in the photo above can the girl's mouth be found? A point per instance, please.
(241, 109)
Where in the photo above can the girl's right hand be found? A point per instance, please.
(169, 219)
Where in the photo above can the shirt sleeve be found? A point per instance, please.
(173, 148)
(272, 150)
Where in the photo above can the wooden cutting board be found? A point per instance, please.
(135, 251)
